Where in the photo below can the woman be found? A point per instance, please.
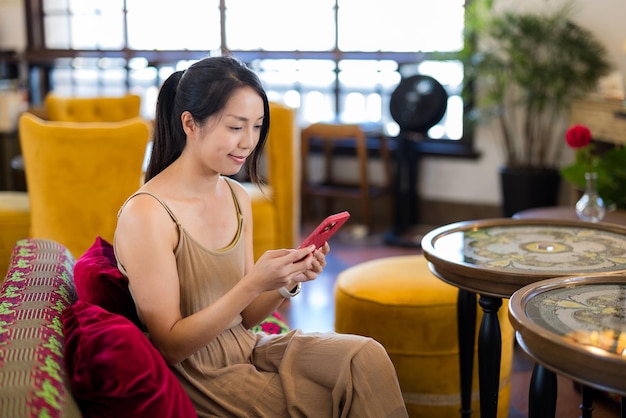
(185, 242)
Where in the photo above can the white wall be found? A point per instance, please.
(445, 179)
(12, 25)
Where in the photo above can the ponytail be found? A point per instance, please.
(169, 138)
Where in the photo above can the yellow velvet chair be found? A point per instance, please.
(91, 109)
(276, 208)
(79, 174)
(14, 206)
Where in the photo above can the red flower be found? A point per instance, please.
(578, 136)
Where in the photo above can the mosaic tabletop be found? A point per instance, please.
(593, 315)
(538, 248)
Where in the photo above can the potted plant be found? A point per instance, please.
(528, 68)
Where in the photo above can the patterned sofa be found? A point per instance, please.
(36, 378)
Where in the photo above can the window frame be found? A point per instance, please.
(40, 61)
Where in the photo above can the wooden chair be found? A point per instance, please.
(79, 174)
(331, 135)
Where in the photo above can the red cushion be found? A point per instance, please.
(99, 281)
(115, 371)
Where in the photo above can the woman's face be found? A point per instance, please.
(228, 138)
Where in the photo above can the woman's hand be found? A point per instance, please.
(284, 268)
(278, 268)
(317, 265)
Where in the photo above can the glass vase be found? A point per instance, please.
(590, 207)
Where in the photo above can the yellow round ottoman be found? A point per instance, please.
(14, 225)
(401, 304)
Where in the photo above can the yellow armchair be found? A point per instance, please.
(276, 209)
(78, 176)
(91, 109)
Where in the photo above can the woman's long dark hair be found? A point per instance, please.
(202, 90)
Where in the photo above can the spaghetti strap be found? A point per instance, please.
(230, 181)
(158, 199)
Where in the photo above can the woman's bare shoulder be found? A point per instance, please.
(142, 203)
(144, 214)
(144, 224)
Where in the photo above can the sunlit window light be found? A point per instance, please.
(353, 86)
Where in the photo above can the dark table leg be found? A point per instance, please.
(489, 356)
(623, 412)
(586, 406)
(542, 394)
(466, 324)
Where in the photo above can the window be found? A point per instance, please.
(335, 60)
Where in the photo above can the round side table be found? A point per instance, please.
(575, 327)
(495, 258)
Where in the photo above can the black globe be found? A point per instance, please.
(418, 103)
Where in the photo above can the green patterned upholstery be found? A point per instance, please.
(37, 289)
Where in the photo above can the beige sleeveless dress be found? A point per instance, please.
(243, 374)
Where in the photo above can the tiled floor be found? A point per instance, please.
(313, 311)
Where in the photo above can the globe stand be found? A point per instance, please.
(405, 218)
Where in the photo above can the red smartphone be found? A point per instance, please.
(325, 229)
